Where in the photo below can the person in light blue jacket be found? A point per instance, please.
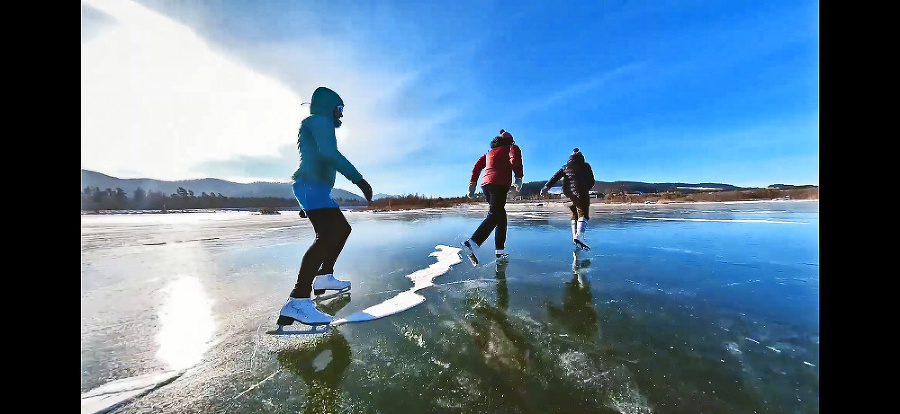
(320, 161)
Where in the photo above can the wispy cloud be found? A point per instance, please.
(568, 93)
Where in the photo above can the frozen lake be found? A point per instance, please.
(682, 308)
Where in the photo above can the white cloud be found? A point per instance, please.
(156, 101)
(159, 102)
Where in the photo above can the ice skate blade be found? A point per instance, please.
(312, 330)
(327, 296)
(467, 250)
(580, 245)
(471, 257)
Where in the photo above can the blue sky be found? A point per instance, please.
(688, 91)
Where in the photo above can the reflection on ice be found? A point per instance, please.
(187, 325)
(322, 360)
(721, 220)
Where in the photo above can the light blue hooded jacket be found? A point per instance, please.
(317, 143)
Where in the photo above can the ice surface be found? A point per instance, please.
(682, 308)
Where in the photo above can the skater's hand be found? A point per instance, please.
(366, 189)
(518, 184)
(471, 193)
(544, 191)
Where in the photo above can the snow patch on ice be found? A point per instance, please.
(114, 394)
(446, 257)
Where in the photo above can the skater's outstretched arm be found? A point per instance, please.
(477, 168)
(515, 159)
(476, 172)
(555, 177)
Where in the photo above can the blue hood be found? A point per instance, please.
(323, 102)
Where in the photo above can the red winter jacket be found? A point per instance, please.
(499, 165)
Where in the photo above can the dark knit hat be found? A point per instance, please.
(576, 156)
(502, 140)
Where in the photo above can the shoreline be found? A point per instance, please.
(523, 205)
(517, 205)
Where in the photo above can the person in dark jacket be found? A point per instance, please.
(500, 164)
(577, 180)
(313, 181)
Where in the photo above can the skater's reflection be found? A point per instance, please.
(502, 290)
(503, 345)
(321, 364)
(579, 263)
(577, 313)
(332, 306)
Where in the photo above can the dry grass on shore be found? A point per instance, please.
(811, 193)
(413, 202)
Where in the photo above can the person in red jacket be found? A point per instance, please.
(500, 164)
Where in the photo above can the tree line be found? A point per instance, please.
(93, 198)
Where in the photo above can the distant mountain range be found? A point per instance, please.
(206, 185)
(283, 190)
(650, 188)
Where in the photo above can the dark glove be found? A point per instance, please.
(366, 189)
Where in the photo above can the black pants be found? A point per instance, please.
(496, 218)
(332, 231)
(580, 206)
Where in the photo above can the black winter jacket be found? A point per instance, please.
(577, 177)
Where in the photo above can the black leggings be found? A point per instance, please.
(332, 231)
(496, 218)
(581, 207)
